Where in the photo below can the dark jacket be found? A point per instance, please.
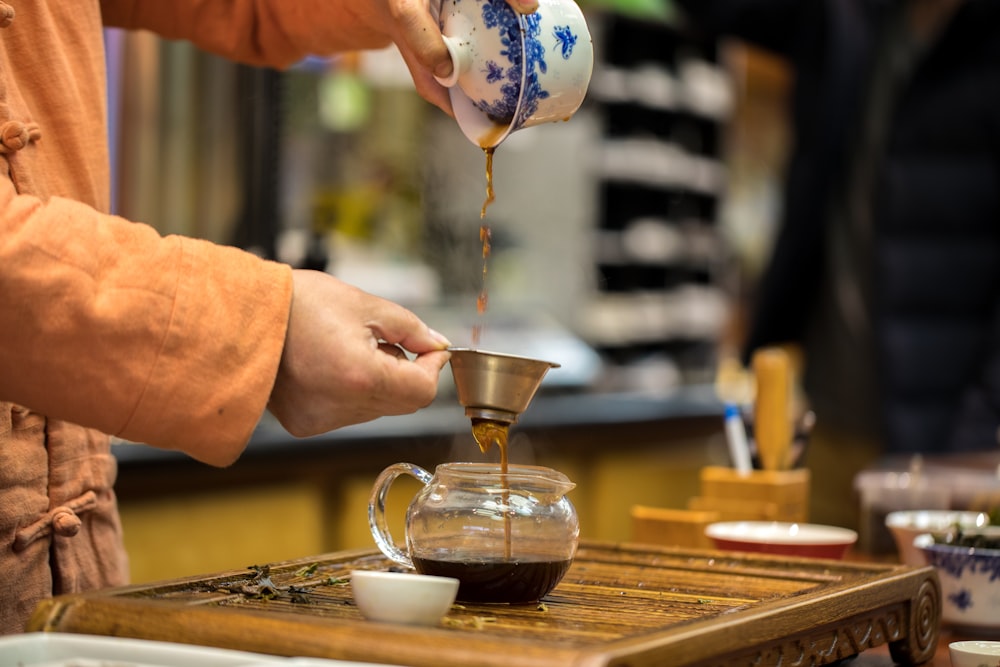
(936, 227)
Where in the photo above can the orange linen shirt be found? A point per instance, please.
(105, 326)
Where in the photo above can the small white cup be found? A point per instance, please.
(403, 597)
(974, 653)
(513, 71)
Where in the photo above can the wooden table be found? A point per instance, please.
(619, 605)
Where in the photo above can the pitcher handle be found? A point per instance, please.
(377, 521)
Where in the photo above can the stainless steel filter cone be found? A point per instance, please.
(496, 386)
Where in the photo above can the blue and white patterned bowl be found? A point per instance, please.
(970, 584)
(511, 70)
(906, 525)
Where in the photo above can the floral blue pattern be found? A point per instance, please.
(524, 53)
(956, 562)
(565, 39)
(498, 15)
(977, 562)
(534, 53)
(493, 71)
(962, 599)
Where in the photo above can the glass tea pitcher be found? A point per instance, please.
(506, 536)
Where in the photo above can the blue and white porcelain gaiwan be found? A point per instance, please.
(511, 70)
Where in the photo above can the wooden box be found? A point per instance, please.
(682, 528)
(761, 495)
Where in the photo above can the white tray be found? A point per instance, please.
(52, 649)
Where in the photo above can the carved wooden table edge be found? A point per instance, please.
(857, 607)
(910, 627)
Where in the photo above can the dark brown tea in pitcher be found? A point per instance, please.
(516, 581)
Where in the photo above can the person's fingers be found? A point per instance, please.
(420, 35)
(523, 6)
(396, 325)
(426, 85)
(400, 385)
(433, 362)
(426, 56)
(392, 350)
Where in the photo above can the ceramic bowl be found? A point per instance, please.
(970, 585)
(403, 597)
(905, 525)
(974, 653)
(790, 539)
(513, 71)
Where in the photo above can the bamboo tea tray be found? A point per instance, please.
(620, 605)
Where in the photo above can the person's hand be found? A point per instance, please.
(343, 361)
(411, 26)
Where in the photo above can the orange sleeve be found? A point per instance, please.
(275, 33)
(170, 341)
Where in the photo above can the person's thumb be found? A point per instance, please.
(399, 326)
(523, 6)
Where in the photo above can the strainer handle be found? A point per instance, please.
(377, 521)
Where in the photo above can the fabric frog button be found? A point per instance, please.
(15, 135)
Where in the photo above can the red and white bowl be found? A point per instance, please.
(808, 540)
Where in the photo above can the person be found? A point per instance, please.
(886, 269)
(106, 327)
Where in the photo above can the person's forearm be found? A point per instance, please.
(170, 341)
(275, 33)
